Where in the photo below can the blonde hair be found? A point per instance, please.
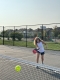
(35, 40)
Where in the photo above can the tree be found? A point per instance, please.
(30, 30)
(59, 36)
(56, 31)
(17, 35)
(6, 33)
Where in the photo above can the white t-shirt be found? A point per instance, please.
(40, 46)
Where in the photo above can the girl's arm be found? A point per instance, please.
(35, 43)
(43, 42)
(37, 47)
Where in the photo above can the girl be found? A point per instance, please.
(40, 48)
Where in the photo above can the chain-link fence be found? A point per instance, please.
(25, 34)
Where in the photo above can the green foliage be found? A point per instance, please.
(12, 35)
(59, 36)
(5, 33)
(35, 35)
(15, 35)
(56, 32)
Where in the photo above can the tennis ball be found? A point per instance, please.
(17, 68)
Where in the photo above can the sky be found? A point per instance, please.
(29, 12)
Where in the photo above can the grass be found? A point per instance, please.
(50, 45)
(53, 46)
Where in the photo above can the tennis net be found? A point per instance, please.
(28, 71)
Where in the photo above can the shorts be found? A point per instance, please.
(42, 53)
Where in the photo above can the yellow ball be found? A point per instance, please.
(17, 68)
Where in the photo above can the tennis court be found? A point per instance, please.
(11, 56)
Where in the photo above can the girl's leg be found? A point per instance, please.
(42, 58)
(37, 57)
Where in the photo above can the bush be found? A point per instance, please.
(19, 36)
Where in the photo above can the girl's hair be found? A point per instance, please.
(35, 40)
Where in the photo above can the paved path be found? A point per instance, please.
(52, 58)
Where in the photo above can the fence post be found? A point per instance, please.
(14, 36)
(3, 35)
(42, 31)
(26, 35)
(45, 34)
(55, 33)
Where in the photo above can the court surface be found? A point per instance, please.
(52, 58)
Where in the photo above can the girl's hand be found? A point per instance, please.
(38, 48)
